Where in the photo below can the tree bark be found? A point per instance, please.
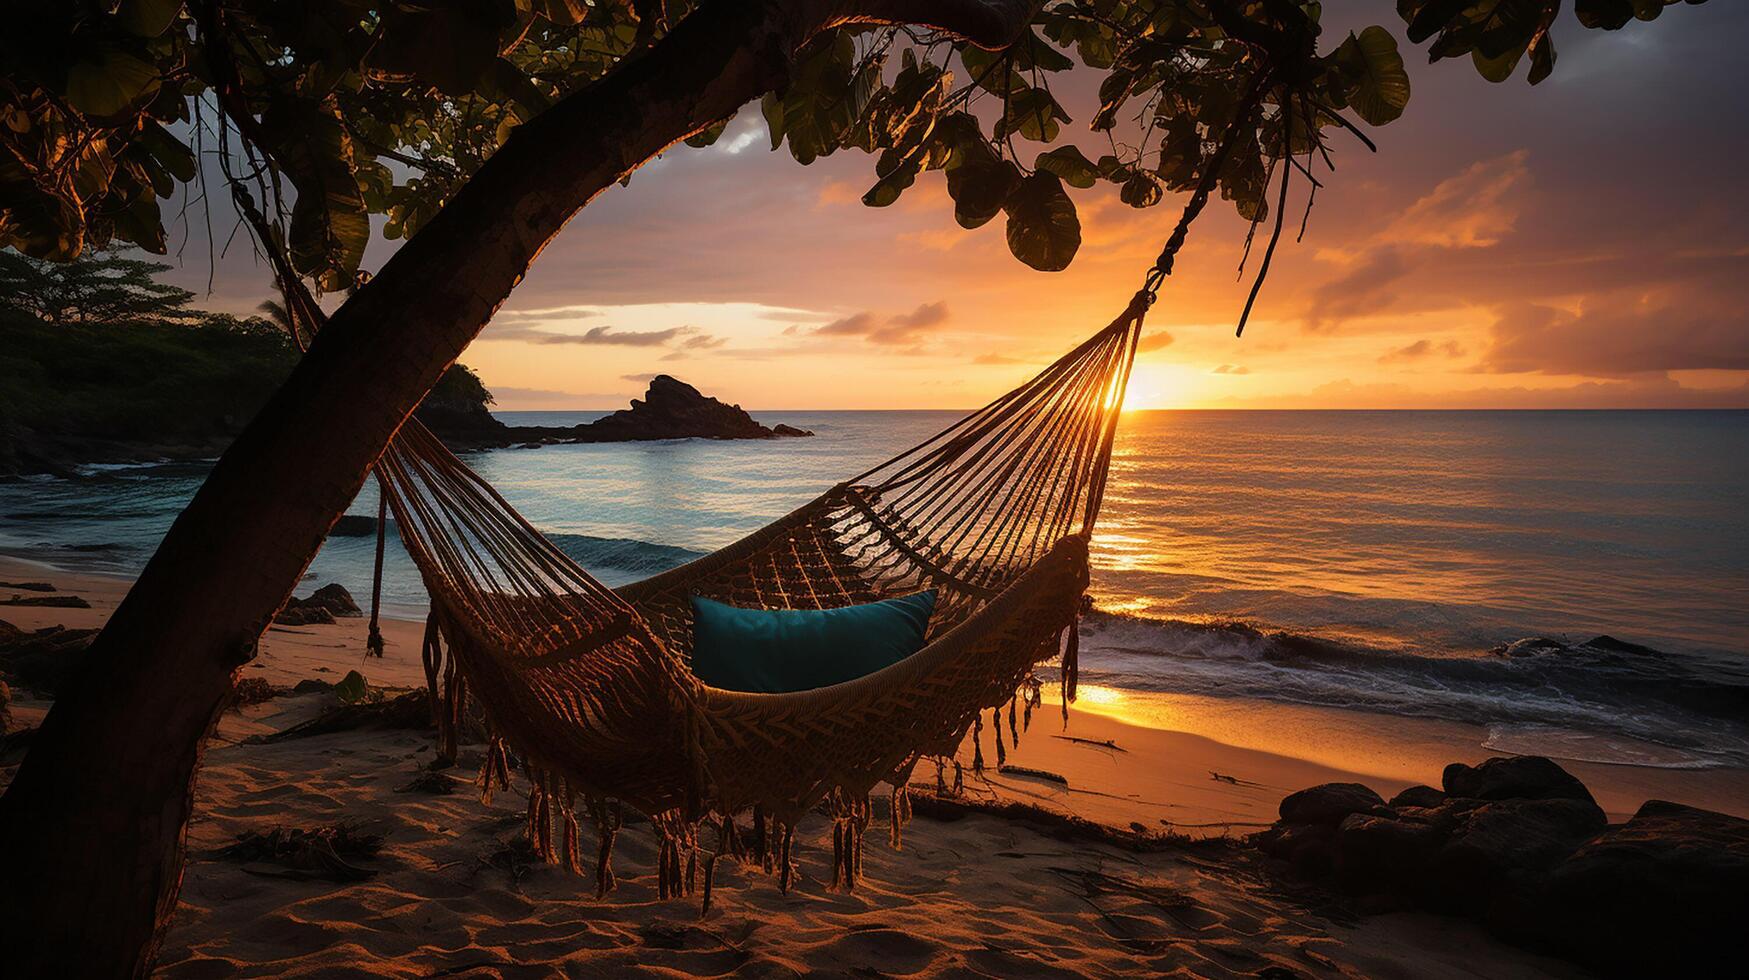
(95, 821)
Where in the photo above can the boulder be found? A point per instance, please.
(1524, 777)
(1502, 847)
(1418, 796)
(354, 526)
(334, 598)
(790, 431)
(1310, 848)
(1665, 894)
(320, 607)
(1380, 853)
(1328, 804)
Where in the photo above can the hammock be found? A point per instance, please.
(589, 689)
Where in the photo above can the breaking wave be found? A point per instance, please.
(1601, 699)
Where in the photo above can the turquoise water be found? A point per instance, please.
(1370, 560)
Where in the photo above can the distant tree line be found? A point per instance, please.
(104, 363)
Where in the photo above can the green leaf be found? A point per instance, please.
(352, 688)
(1140, 191)
(979, 181)
(892, 184)
(1043, 230)
(1433, 17)
(1034, 114)
(1542, 57)
(708, 135)
(110, 84)
(1067, 162)
(170, 152)
(1377, 84)
(771, 106)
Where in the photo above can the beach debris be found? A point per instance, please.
(28, 586)
(1044, 774)
(322, 854)
(1221, 777)
(41, 660)
(252, 690)
(1052, 823)
(515, 856)
(352, 688)
(1103, 743)
(49, 601)
(432, 782)
(312, 685)
(411, 710)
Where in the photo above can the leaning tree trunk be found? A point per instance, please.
(94, 823)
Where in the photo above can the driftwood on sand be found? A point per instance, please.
(1103, 743)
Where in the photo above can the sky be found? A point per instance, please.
(1580, 244)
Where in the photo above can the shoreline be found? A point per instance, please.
(1197, 765)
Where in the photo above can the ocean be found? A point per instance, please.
(1577, 583)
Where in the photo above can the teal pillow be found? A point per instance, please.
(772, 651)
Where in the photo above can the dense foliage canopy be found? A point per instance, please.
(323, 113)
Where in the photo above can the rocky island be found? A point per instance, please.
(670, 409)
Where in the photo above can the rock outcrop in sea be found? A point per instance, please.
(670, 409)
(673, 409)
(1520, 844)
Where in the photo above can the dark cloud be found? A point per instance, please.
(569, 312)
(1606, 340)
(1421, 350)
(1153, 341)
(596, 336)
(924, 316)
(855, 325)
(1362, 290)
(626, 338)
(900, 329)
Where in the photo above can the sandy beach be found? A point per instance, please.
(975, 895)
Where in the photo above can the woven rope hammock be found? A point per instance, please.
(590, 691)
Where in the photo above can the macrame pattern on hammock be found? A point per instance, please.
(589, 691)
